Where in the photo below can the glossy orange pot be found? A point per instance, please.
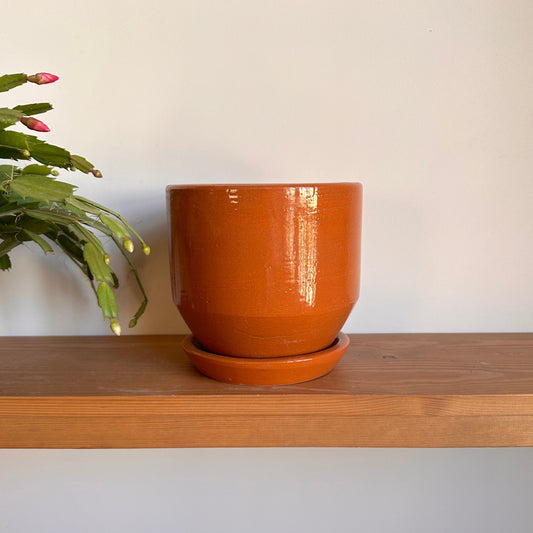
(262, 271)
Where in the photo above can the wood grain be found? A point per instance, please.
(416, 390)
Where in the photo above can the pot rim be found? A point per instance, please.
(225, 186)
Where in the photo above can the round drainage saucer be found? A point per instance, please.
(266, 371)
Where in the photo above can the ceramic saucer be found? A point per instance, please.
(266, 371)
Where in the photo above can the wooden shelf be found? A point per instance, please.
(417, 390)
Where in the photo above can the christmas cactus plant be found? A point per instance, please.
(36, 207)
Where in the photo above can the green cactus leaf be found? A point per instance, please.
(115, 226)
(14, 140)
(5, 262)
(8, 244)
(10, 153)
(42, 170)
(81, 163)
(74, 209)
(36, 226)
(71, 246)
(48, 154)
(10, 81)
(34, 109)
(15, 144)
(45, 247)
(107, 301)
(82, 206)
(41, 188)
(8, 117)
(51, 216)
(7, 172)
(95, 260)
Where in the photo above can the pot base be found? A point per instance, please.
(266, 371)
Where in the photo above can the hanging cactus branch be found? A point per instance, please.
(36, 207)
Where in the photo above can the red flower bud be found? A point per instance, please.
(34, 124)
(42, 78)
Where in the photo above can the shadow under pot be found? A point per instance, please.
(265, 272)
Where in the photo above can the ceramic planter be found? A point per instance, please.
(264, 271)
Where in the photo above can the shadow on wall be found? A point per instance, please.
(161, 316)
(396, 249)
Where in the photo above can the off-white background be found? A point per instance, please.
(428, 103)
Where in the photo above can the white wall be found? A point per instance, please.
(428, 103)
(266, 490)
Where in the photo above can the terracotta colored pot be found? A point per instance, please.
(265, 270)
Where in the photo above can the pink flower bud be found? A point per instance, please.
(34, 124)
(41, 78)
(96, 173)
